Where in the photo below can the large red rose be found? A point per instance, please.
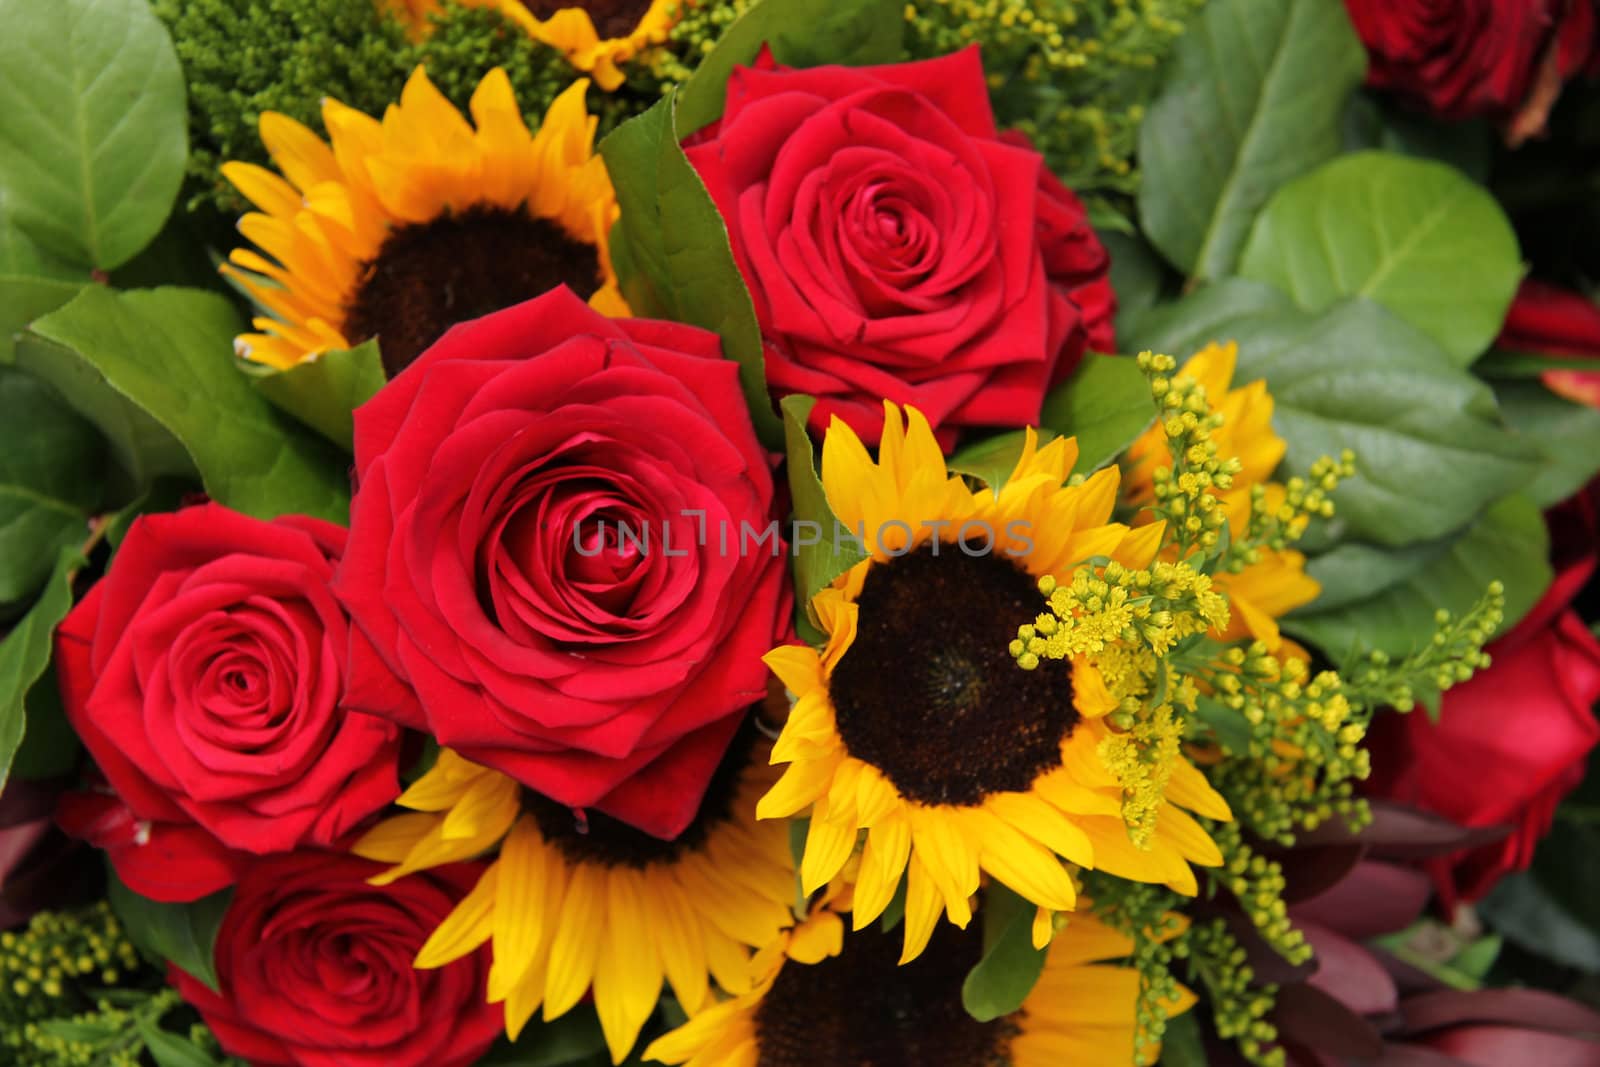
(1508, 746)
(1470, 58)
(487, 566)
(314, 969)
(205, 675)
(1548, 320)
(897, 247)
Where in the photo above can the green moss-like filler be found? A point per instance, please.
(1075, 75)
(243, 57)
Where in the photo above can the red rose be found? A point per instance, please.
(1509, 744)
(315, 969)
(1552, 321)
(896, 247)
(204, 674)
(1469, 58)
(487, 566)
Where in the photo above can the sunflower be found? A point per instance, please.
(581, 901)
(398, 229)
(1277, 583)
(853, 1003)
(597, 36)
(914, 722)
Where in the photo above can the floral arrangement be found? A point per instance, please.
(739, 533)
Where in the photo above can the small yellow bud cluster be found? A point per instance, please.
(1279, 514)
(1239, 1006)
(1149, 916)
(1450, 657)
(45, 969)
(1186, 492)
(1304, 753)
(1257, 883)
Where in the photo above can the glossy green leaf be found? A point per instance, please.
(1523, 910)
(1181, 1045)
(183, 934)
(323, 391)
(1508, 544)
(992, 459)
(1375, 120)
(1417, 237)
(1254, 99)
(50, 746)
(1566, 434)
(677, 247)
(1138, 276)
(1355, 570)
(1431, 448)
(168, 355)
(51, 479)
(25, 654)
(1010, 966)
(170, 1050)
(802, 33)
(92, 137)
(834, 550)
(1105, 404)
(24, 298)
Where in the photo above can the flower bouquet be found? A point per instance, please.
(748, 533)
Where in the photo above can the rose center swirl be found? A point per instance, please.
(862, 1008)
(928, 692)
(429, 276)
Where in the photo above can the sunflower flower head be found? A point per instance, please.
(399, 227)
(911, 725)
(576, 903)
(597, 36)
(860, 1004)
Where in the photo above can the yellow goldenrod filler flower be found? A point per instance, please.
(854, 1002)
(1273, 582)
(593, 904)
(597, 36)
(400, 228)
(911, 724)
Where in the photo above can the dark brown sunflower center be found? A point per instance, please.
(594, 837)
(861, 1009)
(611, 18)
(928, 692)
(429, 276)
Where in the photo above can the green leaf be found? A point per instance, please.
(1106, 405)
(170, 1050)
(24, 298)
(576, 1037)
(1355, 570)
(1431, 449)
(676, 242)
(164, 494)
(1508, 543)
(87, 1033)
(1500, 363)
(1010, 966)
(802, 33)
(1254, 99)
(93, 132)
(1417, 237)
(815, 565)
(1372, 121)
(1181, 1046)
(51, 478)
(1138, 275)
(1524, 911)
(1567, 434)
(992, 459)
(1230, 727)
(25, 653)
(168, 352)
(182, 934)
(323, 391)
(49, 746)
